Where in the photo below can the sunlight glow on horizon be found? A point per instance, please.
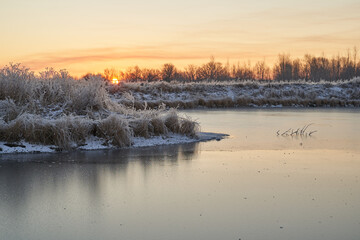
(115, 81)
(83, 36)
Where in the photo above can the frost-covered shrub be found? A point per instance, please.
(55, 109)
(188, 127)
(172, 121)
(16, 83)
(53, 88)
(116, 130)
(9, 110)
(181, 125)
(158, 126)
(141, 127)
(64, 132)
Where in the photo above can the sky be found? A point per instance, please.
(88, 36)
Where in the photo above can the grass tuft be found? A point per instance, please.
(116, 130)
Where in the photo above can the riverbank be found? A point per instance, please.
(95, 143)
(54, 109)
(239, 94)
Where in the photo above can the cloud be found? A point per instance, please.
(175, 51)
(41, 60)
(323, 39)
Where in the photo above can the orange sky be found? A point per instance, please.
(88, 36)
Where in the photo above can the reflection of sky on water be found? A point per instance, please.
(255, 128)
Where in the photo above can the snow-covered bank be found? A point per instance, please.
(95, 143)
(240, 94)
(54, 109)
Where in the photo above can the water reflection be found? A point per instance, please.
(24, 176)
(159, 153)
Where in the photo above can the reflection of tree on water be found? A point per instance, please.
(157, 153)
(26, 177)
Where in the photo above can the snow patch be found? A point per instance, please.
(24, 147)
(95, 143)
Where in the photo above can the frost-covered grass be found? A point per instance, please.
(250, 93)
(55, 109)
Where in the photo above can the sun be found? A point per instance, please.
(115, 81)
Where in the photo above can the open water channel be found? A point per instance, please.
(255, 184)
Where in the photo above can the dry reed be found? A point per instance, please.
(55, 109)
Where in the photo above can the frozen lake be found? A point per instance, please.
(252, 185)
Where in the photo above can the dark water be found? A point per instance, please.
(253, 185)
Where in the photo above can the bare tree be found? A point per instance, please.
(283, 68)
(211, 71)
(296, 69)
(133, 74)
(309, 68)
(355, 67)
(168, 72)
(190, 72)
(110, 74)
(262, 71)
(150, 75)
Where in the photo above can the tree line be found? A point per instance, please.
(312, 68)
